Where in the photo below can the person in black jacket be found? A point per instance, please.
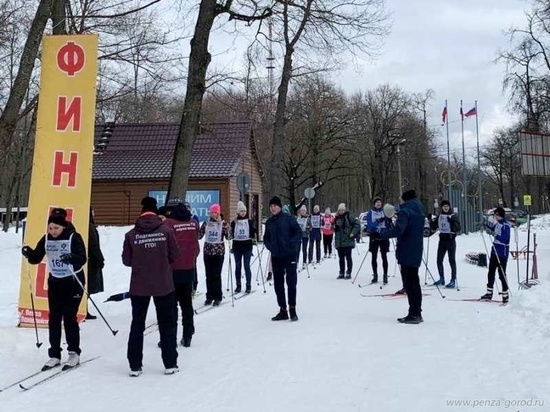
(409, 231)
(282, 238)
(243, 233)
(448, 225)
(96, 262)
(66, 254)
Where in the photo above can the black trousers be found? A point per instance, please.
(446, 246)
(493, 266)
(64, 296)
(327, 244)
(412, 286)
(284, 267)
(317, 242)
(305, 241)
(184, 297)
(384, 246)
(166, 320)
(344, 255)
(213, 265)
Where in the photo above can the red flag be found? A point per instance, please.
(444, 115)
(471, 112)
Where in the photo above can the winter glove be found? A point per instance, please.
(380, 219)
(66, 258)
(118, 297)
(26, 251)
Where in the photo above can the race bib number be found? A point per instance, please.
(315, 221)
(242, 230)
(54, 250)
(213, 232)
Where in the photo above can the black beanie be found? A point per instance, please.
(445, 202)
(500, 212)
(376, 199)
(58, 217)
(180, 212)
(275, 201)
(408, 195)
(149, 204)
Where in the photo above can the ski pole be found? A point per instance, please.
(38, 343)
(360, 266)
(517, 250)
(427, 259)
(262, 272)
(394, 257)
(430, 273)
(114, 332)
(231, 282)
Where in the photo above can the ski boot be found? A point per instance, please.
(269, 276)
(451, 284)
(282, 315)
(348, 276)
(374, 278)
(440, 282)
(292, 313)
(238, 289)
(488, 295)
(248, 288)
(385, 279)
(340, 276)
(505, 297)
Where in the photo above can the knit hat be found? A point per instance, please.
(275, 201)
(327, 211)
(316, 208)
(303, 209)
(342, 206)
(408, 195)
(58, 217)
(180, 212)
(376, 199)
(445, 202)
(149, 204)
(500, 212)
(215, 208)
(240, 207)
(286, 209)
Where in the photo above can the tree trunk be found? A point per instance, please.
(199, 59)
(59, 17)
(277, 179)
(10, 115)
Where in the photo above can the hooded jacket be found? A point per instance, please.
(409, 231)
(346, 228)
(149, 249)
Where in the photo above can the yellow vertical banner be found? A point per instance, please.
(63, 155)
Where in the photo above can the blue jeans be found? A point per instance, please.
(239, 257)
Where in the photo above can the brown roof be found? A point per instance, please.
(145, 150)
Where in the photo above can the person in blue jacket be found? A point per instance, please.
(409, 231)
(378, 222)
(499, 254)
(282, 238)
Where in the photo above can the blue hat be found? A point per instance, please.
(286, 209)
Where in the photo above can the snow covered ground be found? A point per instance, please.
(346, 353)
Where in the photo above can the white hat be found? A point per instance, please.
(316, 208)
(342, 206)
(327, 211)
(240, 207)
(303, 208)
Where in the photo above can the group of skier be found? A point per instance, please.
(153, 249)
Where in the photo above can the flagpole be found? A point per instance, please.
(464, 182)
(479, 184)
(448, 154)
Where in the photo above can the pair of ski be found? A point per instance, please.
(236, 296)
(389, 295)
(58, 371)
(480, 300)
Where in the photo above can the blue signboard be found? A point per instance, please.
(200, 200)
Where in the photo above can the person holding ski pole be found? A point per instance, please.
(327, 223)
(499, 254)
(346, 228)
(448, 225)
(65, 255)
(305, 225)
(243, 233)
(378, 222)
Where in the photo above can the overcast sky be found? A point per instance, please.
(446, 45)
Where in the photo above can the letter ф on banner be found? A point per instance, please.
(63, 155)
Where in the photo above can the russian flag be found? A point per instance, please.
(444, 115)
(471, 112)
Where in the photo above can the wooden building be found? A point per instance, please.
(135, 160)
